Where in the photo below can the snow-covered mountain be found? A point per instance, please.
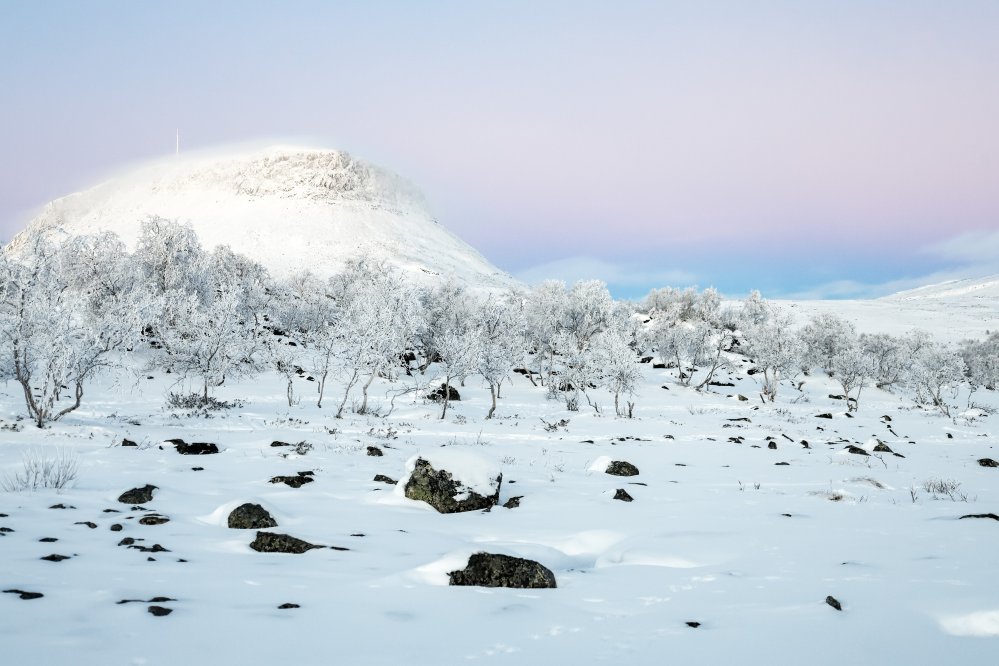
(952, 310)
(291, 209)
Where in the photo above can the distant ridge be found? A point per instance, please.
(970, 288)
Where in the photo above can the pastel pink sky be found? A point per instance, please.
(781, 145)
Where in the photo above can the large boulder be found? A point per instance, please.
(195, 448)
(250, 517)
(271, 542)
(494, 570)
(460, 482)
(621, 468)
(138, 495)
(444, 389)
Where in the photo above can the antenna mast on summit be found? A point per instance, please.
(178, 143)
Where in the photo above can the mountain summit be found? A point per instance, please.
(290, 209)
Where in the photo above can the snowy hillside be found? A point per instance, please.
(290, 209)
(953, 310)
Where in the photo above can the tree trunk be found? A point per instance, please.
(78, 395)
(364, 392)
(447, 395)
(492, 392)
(346, 394)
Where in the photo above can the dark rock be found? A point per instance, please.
(381, 478)
(693, 624)
(782, 464)
(277, 444)
(61, 506)
(375, 451)
(116, 527)
(827, 415)
(950, 435)
(296, 481)
(438, 394)
(988, 462)
(47, 540)
(27, 596)
(197, 469)
(980, 515)
(856, 450)
(138, 495)
(128, 442)
(881, 447)
(513, 502)
(159, 611)
(250, 517)
(438, 489)
(886, 418)
(271, 542)
(288, 606)
(154, 600)
(6, 530)
(772, 446)
(55, 557)
(621, 468)
(196, 448)
(493, 570)
(623, 495)
(89, 524)
(832, 601)
(153, 519)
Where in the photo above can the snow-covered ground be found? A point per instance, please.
(724, 531)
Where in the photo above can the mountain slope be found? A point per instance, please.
(952, 310)
(290, 209)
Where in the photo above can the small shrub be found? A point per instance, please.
(198, 402)
(55, 468)
(948, 488)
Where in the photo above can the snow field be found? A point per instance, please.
(706, 539)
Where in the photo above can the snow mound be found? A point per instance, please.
(984, 623)
(291, 209)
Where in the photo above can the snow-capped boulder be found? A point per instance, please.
(453, 481)
(250, 517)
(495, 570)
(138, 495)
